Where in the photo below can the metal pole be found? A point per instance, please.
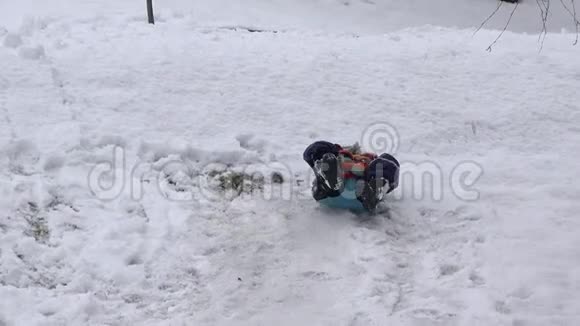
(150, 16)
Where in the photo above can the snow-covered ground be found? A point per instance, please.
(87, 88)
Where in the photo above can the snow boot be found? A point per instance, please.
(372, 193)
(328, 171)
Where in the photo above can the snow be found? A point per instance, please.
(109, 127)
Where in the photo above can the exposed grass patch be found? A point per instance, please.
(239, 182)
(37, 224)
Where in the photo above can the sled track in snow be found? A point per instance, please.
(367, 271)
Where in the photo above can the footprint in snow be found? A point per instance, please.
(360, 319)
(502, 307)
(480, 239)
(318, 276)
(12, 40)
(32, 53)
(521, 293)
(250, 142)
(23, 157)
(433, 315)
(476, 279)
(448, 269)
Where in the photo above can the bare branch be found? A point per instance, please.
(545, 24)
(576, 21)
(543, 17)
(504, 28)
(566, 7)
(499, 3)
(572, 13)
(544, 7)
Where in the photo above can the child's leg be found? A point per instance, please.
(316, 150)
(385, 167)
(384, 170)
(322, 157)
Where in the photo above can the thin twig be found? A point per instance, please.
(543, 16)
(577, 22)
(499, 3)
(566, 7)
(504, 28)
(545, 22)
(572, 13)
(574, 17)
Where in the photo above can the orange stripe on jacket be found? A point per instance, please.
(354, 165)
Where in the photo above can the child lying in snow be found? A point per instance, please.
(365, 174)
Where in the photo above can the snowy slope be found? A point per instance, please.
(77, 86)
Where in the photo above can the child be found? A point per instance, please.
(337, 170)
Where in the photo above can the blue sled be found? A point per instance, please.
(346, 200)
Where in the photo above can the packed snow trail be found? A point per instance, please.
(74, 90)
